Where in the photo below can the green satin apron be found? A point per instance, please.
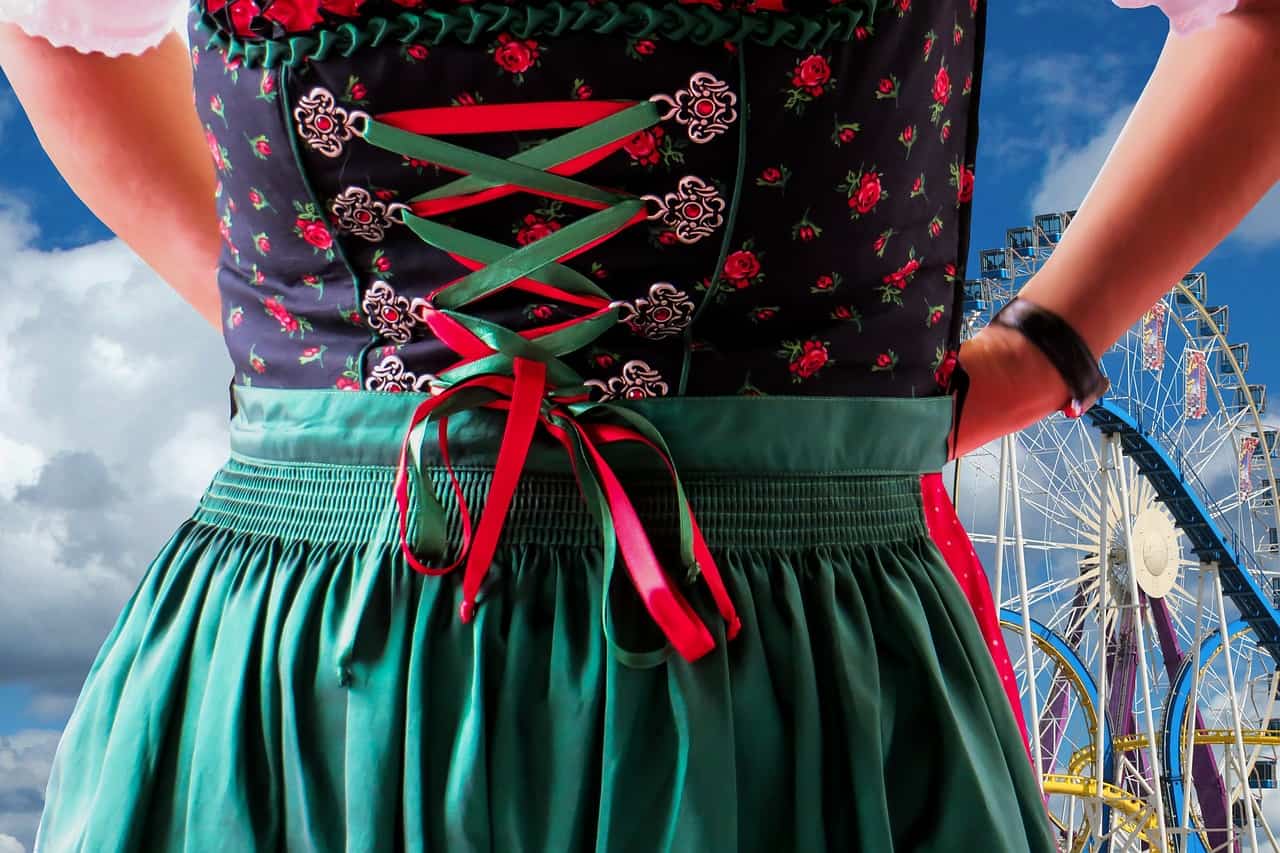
(283, 680)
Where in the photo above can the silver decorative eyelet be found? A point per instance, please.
(323, 125)
(695, 210)
(706, 107)
(357, 212)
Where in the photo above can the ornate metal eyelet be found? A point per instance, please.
(324, 126)
(695, 210)
(357, 212)
(706, 107)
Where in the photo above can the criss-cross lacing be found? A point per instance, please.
(522, 373)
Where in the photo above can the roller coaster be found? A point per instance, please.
(1134, 555)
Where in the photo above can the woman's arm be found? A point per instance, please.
(1199, 150)
(124, 133)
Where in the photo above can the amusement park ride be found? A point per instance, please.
(1135, 556)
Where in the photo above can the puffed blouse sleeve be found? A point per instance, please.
(95, 25)
(1187, 16)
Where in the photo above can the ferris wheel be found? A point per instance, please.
(1135, 559)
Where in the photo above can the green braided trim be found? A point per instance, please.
(469, 23)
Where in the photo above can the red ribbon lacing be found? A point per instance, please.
(529, 400)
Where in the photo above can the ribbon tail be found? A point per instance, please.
(517, 436)
(673, 613)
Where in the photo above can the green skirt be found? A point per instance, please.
(282, 679)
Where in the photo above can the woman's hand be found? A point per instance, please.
(1011, 385)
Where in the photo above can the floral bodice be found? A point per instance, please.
(808, 200)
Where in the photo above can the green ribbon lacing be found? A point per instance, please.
(537, 260)
(698, 23)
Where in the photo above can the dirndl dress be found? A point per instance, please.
(519, 546)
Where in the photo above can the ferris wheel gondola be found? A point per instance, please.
(1136, 534)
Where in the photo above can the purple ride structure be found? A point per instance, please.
(1133, 554)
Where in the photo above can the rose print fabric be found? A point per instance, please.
(810, 207)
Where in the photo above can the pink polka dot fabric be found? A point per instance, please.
(1185, 16)
(952, 540)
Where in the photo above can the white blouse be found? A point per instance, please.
(130, 26)
(133, 26)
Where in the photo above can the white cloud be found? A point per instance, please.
(1261, 228)
(1069, 172)
(104, 371)
(113, 406)
(25, 759)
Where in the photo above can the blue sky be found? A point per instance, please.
(1060, 76)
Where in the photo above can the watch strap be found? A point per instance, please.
(1064, 348)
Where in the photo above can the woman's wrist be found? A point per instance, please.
(1012, 385)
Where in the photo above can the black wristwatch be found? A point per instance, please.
(1063, 346)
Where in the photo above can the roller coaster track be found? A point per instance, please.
(1083, 757)
(1209, 542)
(1140, 817)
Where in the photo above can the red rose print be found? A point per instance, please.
(868, 193)
(584, 91)
(643, 146)
(264, 147)
(860, 33)
(824, 282)
(943, 374)
(812, 73)
(771, 175)
(847, 134)
(908, 133)
(645, 47)
(418, 51)
(315, 233)
(886, 86)
(358, 91)
(741, 266)
(214, 149)
(965, 191)
(765, 313)
(264, 244)
(535, 228)
(878, 245)
(382, 264)
(346, 383)
(515, 55)
(806, 233)
(884, 360)
(810, 360)
(942, 86)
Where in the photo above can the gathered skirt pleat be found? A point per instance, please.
(858, 709)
